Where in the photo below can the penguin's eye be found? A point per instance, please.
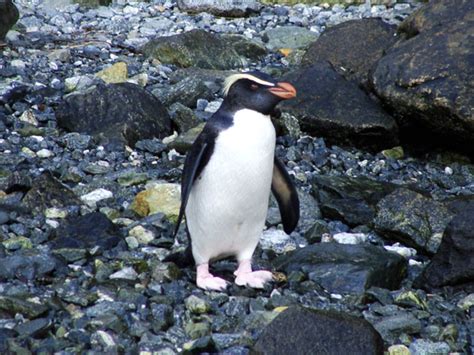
(253, 87)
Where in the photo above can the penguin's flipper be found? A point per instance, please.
(191, 167)
(286, 196)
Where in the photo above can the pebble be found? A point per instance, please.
(350, 238)
(127, 273)
(95, 196)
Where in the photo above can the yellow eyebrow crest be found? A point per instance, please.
(230, 80)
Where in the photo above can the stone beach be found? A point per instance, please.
(98, 106)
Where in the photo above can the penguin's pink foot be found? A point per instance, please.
(206, 281)
(246, 277)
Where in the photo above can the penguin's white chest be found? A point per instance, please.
(228, 203)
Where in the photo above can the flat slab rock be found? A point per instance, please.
(345, 268)
(300, 330)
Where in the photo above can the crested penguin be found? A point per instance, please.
(227, 178)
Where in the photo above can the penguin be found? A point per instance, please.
(227, 178)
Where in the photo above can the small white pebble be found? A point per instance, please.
(448, 171)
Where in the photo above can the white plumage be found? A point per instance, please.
(228, 203)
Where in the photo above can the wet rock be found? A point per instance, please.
(228, 8)
(187, 92)
(346, 268)
(412, 219)
(8, 17)
(158, 198)
(329, 106)
(116, 112)
(162, 317)
(47, 191)
(13, 305)
(425, 79)
(85, 232)
(352, 47)
(352, 200)
(27, 265)
(453, 263)
(197, 48)
(300, 330)
(288, 37)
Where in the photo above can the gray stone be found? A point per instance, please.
(303, 331)
(13, 305)
(47, 191)
(183, 117)
(426, 347)
(352, 200)
(28, 265)
(197, 48)
(346, 268)
(288, 37)
(117, 112)
(186, 92)
(228, 8)
(392, 326)
(34, 328)
(412, 219)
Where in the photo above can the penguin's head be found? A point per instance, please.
(255, 91)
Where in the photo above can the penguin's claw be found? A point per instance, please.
(211, 283)
(255, 279)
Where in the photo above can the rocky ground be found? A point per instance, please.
(86, 219)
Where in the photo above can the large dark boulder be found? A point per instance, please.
(228, 8)
(8, 17)
(353, 47)
(117, 112)
(301, 330)
(202, 49)
(346, 268)
(426, 79)
(413, 219)
(330, 106)
(352, 200)
(453, 264)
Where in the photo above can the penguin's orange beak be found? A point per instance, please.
(283, 90)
